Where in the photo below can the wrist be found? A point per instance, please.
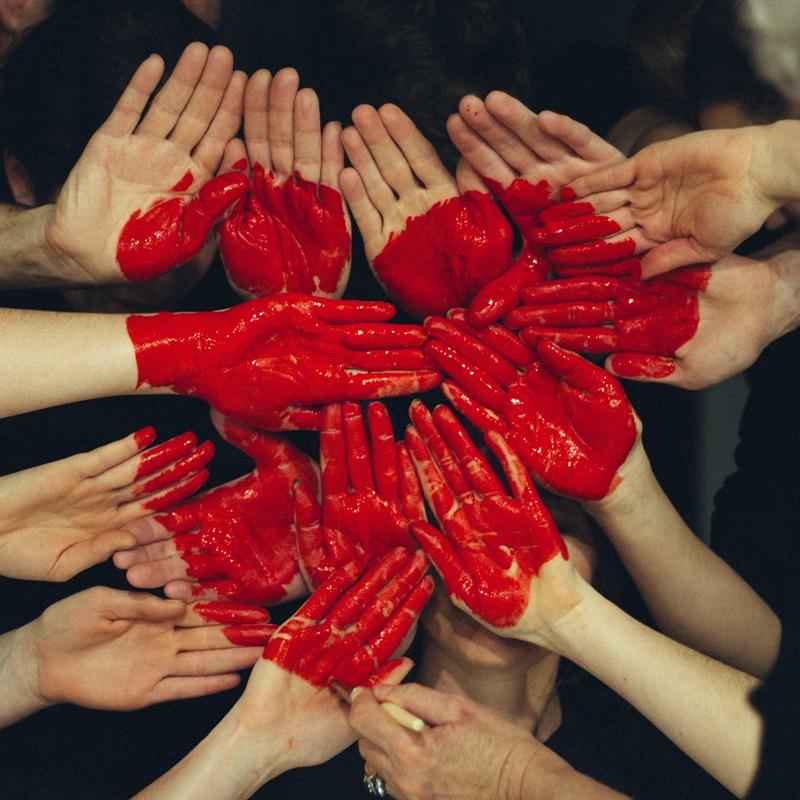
(19, 668)
(785, 306)
(777, 168)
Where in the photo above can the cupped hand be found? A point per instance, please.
(236, 541)
(291, 233)
(432, 241)
(141, 199)
(569, 420)
(59, 519)
(275, 361)
(370, 494)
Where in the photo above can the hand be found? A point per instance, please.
(291, 233)
(501, 557)
(274, 361)
(370, 494)
(103, 648)
(525, 159)
(61, 518)
(432, 241)
(569, 421)
(692, 199)
(468, 752)
(236, 541)
(346, 631)
(140, 200)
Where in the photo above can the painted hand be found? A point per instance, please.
(141, 199)
(370, 494)
(500, 556)
(61, 518)
(432, 241)
(104, 648)
(236, 541)
(525, 159)
(291, 233)
(569, 421)
(274, 361)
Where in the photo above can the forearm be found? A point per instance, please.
(50, 358)
(778, 168)
(687, 588)
(18, 673)
(231, 763)
(700, 704)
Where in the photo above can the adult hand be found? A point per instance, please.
(692, 199)
(274, 361)
(141, 198)
(525, 159)
(58, 519)
(291, 233)
(236, 541)
(370, 494)
(432, 241)
(104, 648)
(570, 421)
(501, 557)
(467, 752)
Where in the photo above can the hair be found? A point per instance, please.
(66, 75)
(719, 68)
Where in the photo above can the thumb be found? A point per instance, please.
(436, 708)
(214, 197)
(674, 254)
(92, 551)
(144, 607)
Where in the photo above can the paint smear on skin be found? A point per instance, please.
(443, 257)
(184, 183)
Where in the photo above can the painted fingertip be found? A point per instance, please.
(641, 367)
(144, 437)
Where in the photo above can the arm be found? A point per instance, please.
(468, 751)
(287, 716)
(108, 649)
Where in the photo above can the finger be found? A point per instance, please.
(310, 533)
(229, 613)
(156, 458)
(349, 311)
(184, 688)
(617, 176)
(256, 119)
(167, 548)
(282, 93)
(235, 157)
(384, 452)
(103, 458)
(436, 708)
(144, 531)
(579, 138)
(643, 367)
(175, 473)
(477, 152)
(570, 314)
(214, 662)
(368, 221)
(592, 287)
(169, 103)
(573, 369)
(82, 555)
(517, 476)
(307, 136)
(479, 415)
(333, 453)
(127, 112)
(332, 155)
(406, 359)
(374, 385)
(467, 179)
(391, 672)
(196, 117)
(674, 254)
(213, 147)
(435, 445)
(417, 151)
(172, 496)
(498, 337)
(582, 340)
(602, 251)
(411, 501)
(378, 191)
(325, 596)
(221, 637)
(141, 606)
(445, 558)
(376, 334)
(155, 574)
(474, 465)
(359, 458)
(585, 228)
(377, 730)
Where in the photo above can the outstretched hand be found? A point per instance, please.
(59, 519)
(141, 199)
(500, 555)
(570, 421)
(370, 494)
(236, 541)
(273, 362)
(115, 650)
(432, 241)
(525, 159)
(291, 233)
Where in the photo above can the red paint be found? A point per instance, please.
(172, 475)
(599, 314)
(144, 436)
(274, 361)
(232, 613)
(632, 365)
(523, 201)
(249, 635)
(177, 494)
(240, 164)
(184, 183)
(238, 540)
(172, 231)
(353, 623)
(443, 257)
(493, 544)
(598, 252)
(158, 457)
(577, 229)
(569, 421)
(287, 237)
(370, 494)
